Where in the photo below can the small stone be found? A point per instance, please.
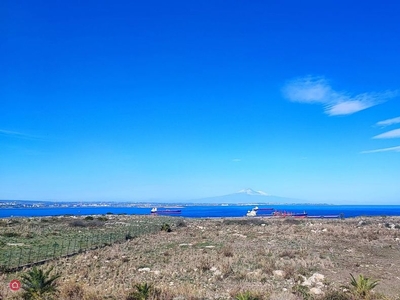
(144, 269)
(318, 277)
(316, 291)
(278, 273)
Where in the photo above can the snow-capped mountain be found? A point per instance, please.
(248, 196)
(252, 192)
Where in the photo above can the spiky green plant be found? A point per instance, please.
(362, 286)
(38, 284)
(143, 292)
(246, 296)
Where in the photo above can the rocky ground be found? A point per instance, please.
(219, 258)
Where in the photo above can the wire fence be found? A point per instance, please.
(19, 257)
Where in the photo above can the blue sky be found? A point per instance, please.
(139, 100)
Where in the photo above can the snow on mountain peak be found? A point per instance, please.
(252, 192)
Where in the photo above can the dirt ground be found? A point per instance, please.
(217, 258)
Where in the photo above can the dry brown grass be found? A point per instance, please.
(216, 259)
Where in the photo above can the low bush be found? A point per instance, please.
(243, 222)
(77, 223)
(336, 295)
(302, 291)
(11, 234)
(362, 286)
(181, 223)
(247, 296)
(166, 227)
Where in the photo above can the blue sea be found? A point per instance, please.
(187, 211)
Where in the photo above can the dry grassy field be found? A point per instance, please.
(222, 258)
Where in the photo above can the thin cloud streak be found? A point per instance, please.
(313, 90)
(392, 134)
(389, 122)
(391, 149)
(16, 134)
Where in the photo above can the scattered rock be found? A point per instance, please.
(314, 280)
(279, 274)
(316, 291)
(240, 235)
(144, 269)
(361, 223)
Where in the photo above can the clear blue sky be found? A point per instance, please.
(139, 100)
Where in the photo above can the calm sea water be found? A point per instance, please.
(211, 211)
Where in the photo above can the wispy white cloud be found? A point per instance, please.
(389, 122)
(392, 134)
(391, 149)
(236, 160)
(17, 134)
(318, 90)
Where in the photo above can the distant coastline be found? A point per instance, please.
(189, 210)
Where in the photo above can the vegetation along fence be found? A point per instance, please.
(21, 255)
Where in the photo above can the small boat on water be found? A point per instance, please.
(324, 217)
(285, 214)
(154, 210)
(262, 209)
(251, 213)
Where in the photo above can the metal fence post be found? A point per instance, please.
(20, 254)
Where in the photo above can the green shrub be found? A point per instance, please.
(89, 218)
(77, 223)
(247, 221)
(38, 284)
(247, 296)
(166, 227)
(362, 286)
(302, 291)
(128, 237)
(11, 234)
(143, 292)
(335, 295)
(181, 223)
